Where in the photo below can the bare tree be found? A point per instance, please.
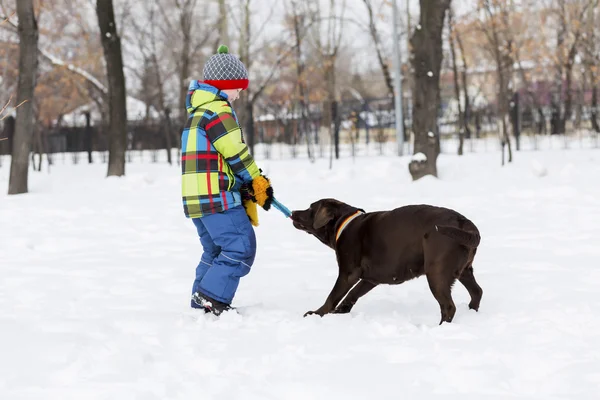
(28, 64)
(465, 86)
(327, 46)
(186, 35)
(111, 44)
(253, 47)
(462, 122)
(525, 79)
(300, 22)
(568, 37)
(427, 57)
(591, 60)
(223, 25)
(186, 19)
(495, 25)
(46, 54)
(181, 26)
(153, 76)
(375, 36)
(2, 116)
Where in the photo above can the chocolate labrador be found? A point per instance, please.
(391, 247)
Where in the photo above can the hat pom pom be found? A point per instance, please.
(223, 49)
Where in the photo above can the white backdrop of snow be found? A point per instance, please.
(96, 274)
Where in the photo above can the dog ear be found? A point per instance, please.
(322, 217)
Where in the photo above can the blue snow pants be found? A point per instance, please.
(229, 245)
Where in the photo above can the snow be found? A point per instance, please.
(420, 157)
(96, 274)
(538, 169)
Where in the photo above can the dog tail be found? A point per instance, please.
(468, 239)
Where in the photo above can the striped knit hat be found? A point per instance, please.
(225, 71)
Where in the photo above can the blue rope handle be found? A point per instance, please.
(281, 208)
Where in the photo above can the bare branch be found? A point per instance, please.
(74, 69)
(6, 105)
(7, 18)
(10, 24)
(341, 19)
(265, 23)
(271, 73)
(60, 63)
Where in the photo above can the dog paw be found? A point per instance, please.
(320, 314)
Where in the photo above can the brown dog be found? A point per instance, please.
(391, 247)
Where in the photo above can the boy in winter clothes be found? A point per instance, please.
(221, 183)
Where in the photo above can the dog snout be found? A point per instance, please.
(296, 215)
(297, 220)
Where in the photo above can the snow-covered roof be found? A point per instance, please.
(136, 111)
(487, 67)
(281, 116)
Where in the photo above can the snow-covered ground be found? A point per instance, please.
(95, 277)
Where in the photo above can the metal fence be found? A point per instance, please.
(367, 127)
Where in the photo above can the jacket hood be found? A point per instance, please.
(201, 93)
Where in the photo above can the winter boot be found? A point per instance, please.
(208, 304)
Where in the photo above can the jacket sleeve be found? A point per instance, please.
(225, 135)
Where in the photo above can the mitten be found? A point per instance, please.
(246, 192)
(249, 203)
(251, 211)
(262, 191)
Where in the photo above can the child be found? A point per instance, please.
(221, 183)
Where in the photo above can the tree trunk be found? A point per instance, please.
(568, 95)
(184, 70)
(502, 66)
(532, 97)
(38, 146)
(427, 59)
(244, 55)
(377, 42)
(331, 105)
(515, 115)
(28, 64)
(461, 119)
(88, 136)
(503, 109)
(300, 77)
(117, 109)
(467, 110)
(168, 133)
(250, 134)
(163, 107)
(595, 124)
(335, 117)
(223, 26)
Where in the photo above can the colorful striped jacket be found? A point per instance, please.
(215, 160)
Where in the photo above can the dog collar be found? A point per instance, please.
(345, 223)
